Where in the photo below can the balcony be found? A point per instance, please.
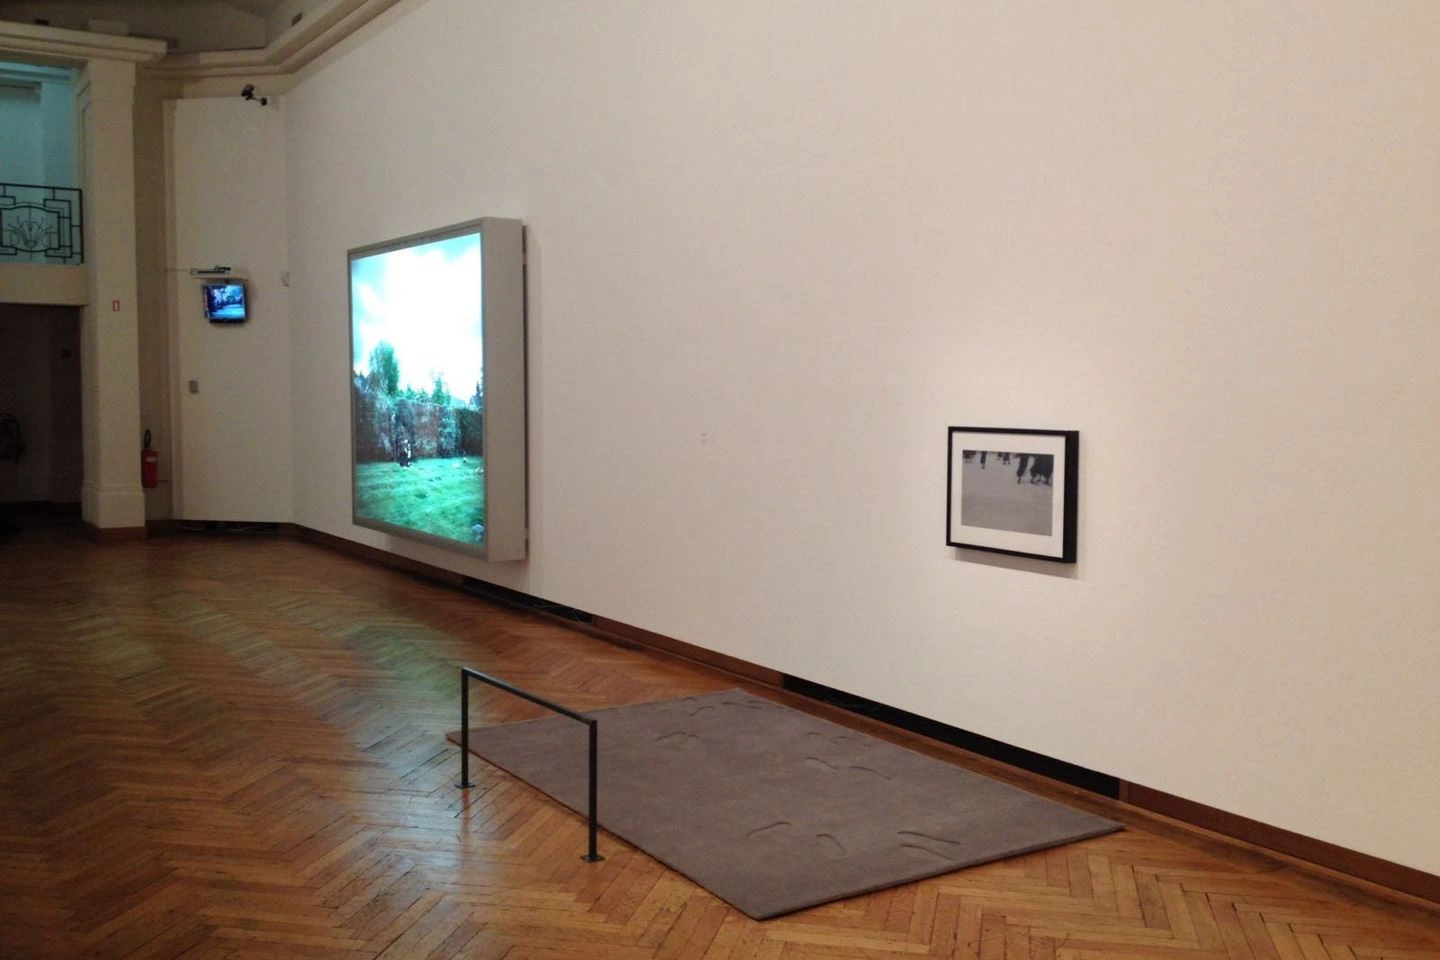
(42, 247)
(40, 224)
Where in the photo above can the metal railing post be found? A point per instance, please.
(594, 854)
(466, 675)
(464, 783)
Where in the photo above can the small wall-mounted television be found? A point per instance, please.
(226, 302)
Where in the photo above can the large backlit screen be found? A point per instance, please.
(418, 375)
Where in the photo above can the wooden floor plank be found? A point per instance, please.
(234, 747)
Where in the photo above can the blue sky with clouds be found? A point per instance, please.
(424, 301)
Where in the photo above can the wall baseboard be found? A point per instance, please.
(1086, 779)
(744, 669)
(375, 555)
(114, 534)
(1328, 856)
(1340, 859)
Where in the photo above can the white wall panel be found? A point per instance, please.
(228, 194)
(778, 248)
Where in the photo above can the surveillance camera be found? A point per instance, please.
(248, 91)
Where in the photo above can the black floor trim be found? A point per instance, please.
(515, 598)
(1082, 777)
(1058, 770)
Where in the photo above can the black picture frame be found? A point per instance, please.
(1033, 516)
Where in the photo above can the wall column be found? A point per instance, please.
(110, 496)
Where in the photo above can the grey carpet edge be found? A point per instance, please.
(801, 903)
(860, 890)
(454, 737)
(598, 714)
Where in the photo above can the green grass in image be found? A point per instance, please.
(444, 496)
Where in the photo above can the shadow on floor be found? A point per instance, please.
(39, 523)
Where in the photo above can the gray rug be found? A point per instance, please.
(773, 810)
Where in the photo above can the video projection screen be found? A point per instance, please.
(437, 370)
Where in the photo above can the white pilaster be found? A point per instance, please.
(109, 331)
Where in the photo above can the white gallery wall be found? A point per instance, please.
(231, 438)
(778, 248)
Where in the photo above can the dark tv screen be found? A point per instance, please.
(225, 302)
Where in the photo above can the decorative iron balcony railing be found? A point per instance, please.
(41, 224)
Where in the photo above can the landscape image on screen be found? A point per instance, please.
(225, 301)
(417, 371)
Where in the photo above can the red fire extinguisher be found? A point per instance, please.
(149, 464)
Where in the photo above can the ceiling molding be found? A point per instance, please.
(255, 8)
(321, 29)
(51, 44)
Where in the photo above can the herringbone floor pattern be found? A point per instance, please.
(233, 748)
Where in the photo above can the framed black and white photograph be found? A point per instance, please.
(1013, 491)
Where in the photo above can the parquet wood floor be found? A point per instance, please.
(229, 747)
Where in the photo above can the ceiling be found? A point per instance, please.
(257, 8)
(260, 8)
(186, 25)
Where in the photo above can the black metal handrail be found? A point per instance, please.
(466, 675)
(42, 220)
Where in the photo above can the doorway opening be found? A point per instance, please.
(41, 452)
